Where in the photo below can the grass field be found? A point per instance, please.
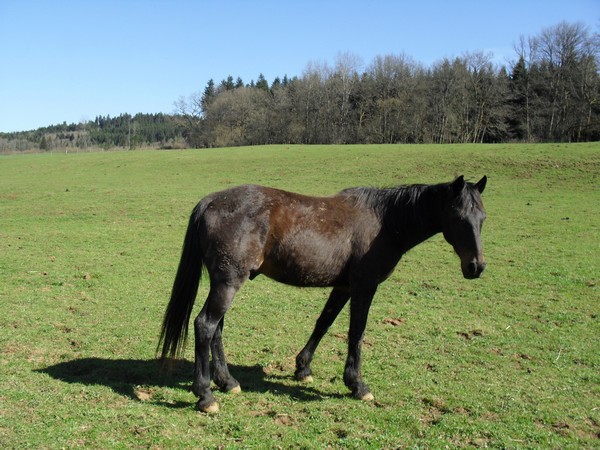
(89, 245)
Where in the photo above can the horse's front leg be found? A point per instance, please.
(337, 299)
(359, 311)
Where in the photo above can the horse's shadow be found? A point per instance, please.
(127, 376)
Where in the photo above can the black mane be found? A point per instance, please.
(382, 198)
(400, 207)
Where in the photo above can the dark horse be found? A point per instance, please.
(351, 242)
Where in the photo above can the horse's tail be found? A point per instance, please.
(174, 331)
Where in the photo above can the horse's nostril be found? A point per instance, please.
(473, 268)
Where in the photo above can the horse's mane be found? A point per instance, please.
(412, 199)
(397, 207)
(378, 198)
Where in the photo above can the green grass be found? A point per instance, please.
(89, 245)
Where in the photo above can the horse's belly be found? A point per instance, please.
(300, 276)
(307, 265)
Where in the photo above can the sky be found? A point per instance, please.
(70, 61)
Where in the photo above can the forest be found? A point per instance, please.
(550, 92)
(104, 132)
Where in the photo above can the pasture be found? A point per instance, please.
(89, 246)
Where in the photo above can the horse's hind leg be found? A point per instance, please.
(205, 326)
(220, 371)
(337, 299)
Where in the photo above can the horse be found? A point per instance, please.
(350, 242)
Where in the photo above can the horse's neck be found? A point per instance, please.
(418, 220)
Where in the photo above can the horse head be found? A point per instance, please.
(463, 217)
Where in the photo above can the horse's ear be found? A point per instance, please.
(481, 184)
(458, 184)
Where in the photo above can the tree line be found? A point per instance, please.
(104, 132)
(550, 92)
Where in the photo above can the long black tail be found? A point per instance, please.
(174, 331)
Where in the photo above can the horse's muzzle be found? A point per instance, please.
(473, 268)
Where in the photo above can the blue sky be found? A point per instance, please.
(73, 60)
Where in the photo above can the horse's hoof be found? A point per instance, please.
(212, 408)
(308, 379)
(368, 397)
(235, 390)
